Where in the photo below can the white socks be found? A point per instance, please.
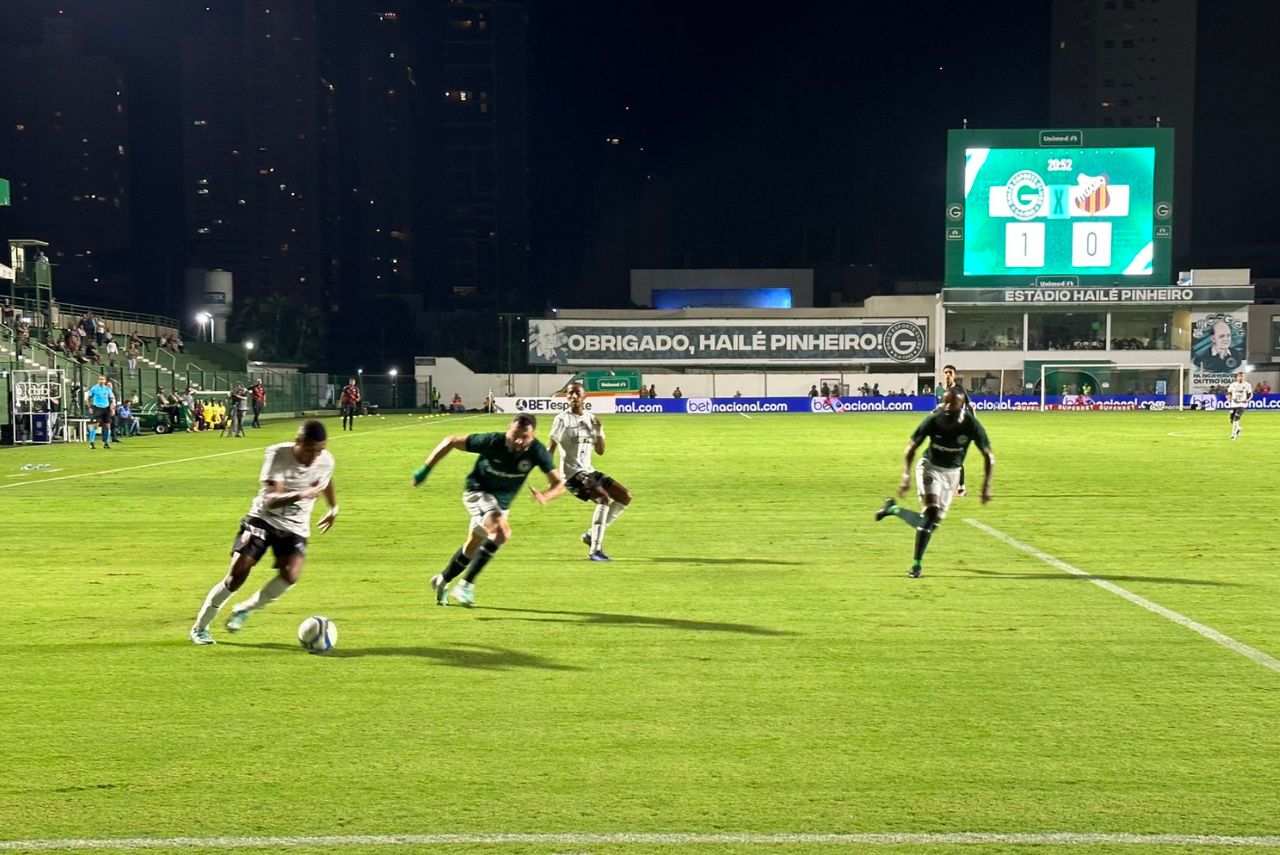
(599, 519)
(615, 511)
(266, 595)
(218, 595)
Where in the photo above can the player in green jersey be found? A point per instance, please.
(503, 462)
(950, 380)
(950, 431)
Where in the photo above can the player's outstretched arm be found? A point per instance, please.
(556, 480)
(330, 496)
(908, 456)
(437, 454)
(989, 466)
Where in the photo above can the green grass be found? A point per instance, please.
(755, 660)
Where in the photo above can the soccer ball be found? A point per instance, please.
(318, 634)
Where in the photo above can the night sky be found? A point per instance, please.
(814, 132)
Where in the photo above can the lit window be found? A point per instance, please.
(199, 123)
(203, 230)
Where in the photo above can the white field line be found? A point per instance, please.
(644, 839)
(1263, 659)
(745, 416)
(257, 448)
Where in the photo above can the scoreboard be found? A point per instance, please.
(1059, 207)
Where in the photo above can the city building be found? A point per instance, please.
(260, 174)
(64, 143)
(1129, 63)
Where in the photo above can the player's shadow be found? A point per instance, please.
(477, 656)
(607, 619)
(767, 562)
(1106, 577)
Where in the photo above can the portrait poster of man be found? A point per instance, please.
(1218, 343)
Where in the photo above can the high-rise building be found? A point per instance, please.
(484, 143)
(64, 142)
(1130, 63)
(260, 145)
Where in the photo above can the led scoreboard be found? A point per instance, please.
(1059, 207)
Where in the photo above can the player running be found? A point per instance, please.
(293, 474)
(578, 433)
(1239, 394)
(503, 462)
(950, 430)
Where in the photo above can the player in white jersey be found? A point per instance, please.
(293, 474)
(1239, 394)
(578, 434)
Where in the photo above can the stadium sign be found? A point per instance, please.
(757, 342)
(1067, 292)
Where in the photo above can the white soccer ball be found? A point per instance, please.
(318, 634)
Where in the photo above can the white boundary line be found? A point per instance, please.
(1263, 659)
(257, 448)
(643, 839)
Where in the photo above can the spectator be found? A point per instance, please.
(131, 356)
(113, 350)
(166, 406)
(188, 399)
(456, 405)
(176, 345)
(737, 394)
(875, 391)
(813, 391)
(258, 397)
(135, 340)
(238, 406)
(200, 416)
(826, 389)
(128, 422)
(7, 313)
(676, 393)
(644, 391)
(435, 398)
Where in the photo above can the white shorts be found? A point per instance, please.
(935, 481)
(480, 506)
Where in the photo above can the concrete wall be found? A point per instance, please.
(451, 376)
(799, 280)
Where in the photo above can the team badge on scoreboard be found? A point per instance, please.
(1093, 195)
(1096, 196)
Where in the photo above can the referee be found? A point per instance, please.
(101, 399)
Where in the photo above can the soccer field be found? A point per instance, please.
(755, 663)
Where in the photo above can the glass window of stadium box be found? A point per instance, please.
(1153, 329)
(984, 331)
(1067, 331)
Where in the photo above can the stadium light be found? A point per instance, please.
(206, 324)
(393, 372)
(248, 345)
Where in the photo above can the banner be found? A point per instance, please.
(1218, 347)
(1067, 291)
(599, 404)
(859, 404)
(757, 342)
